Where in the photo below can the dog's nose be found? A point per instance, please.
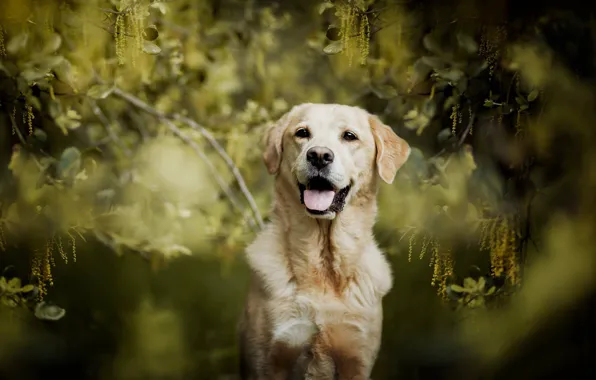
(319, 156)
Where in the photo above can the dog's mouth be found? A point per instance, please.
(319, 196)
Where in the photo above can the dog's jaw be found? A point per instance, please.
(336, 206)
(328, 215)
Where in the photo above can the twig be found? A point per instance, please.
(106, 124)
(466, 131)
(513, 78)
(235, 171)
(409, 228)
(109, 29)
(462, 137)
(176, 131)
(374, 31)
(23, 141)
(106, 10)
(162, 117)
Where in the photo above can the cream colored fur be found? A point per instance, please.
(314, 308)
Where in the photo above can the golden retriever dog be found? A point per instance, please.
(314, 308)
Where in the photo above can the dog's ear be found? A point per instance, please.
(273, 143)
(274, 140)
(392, 150)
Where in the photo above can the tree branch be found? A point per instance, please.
(235, 171)
(226, 189)
(462, 137)
(256, 217)
(106, 124)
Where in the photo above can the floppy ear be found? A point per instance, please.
(273, 144)
(392, 150)
(274, 139)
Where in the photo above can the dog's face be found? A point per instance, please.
(330, 152)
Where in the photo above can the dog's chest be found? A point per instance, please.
(312, 309)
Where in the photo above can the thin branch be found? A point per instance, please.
(162, 117)
(466, 131)
(23, 141)
(108, 128)
(235, 171)
(176, 131)
(109, 29)
(403, 235)
(106, 10)
(375, 30)
(462, 137)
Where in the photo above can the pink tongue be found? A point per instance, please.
(318, 200)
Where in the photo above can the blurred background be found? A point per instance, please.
(131, 178)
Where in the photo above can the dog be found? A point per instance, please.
(314, 307)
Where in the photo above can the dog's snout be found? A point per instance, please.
(319, 156)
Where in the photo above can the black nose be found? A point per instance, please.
(319, 156)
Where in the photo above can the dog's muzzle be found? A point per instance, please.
(319, 196)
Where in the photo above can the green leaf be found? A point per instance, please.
(467, 43)
(384, 91)
(69, 163)
(49, 62)
(175, 250)
(532, 95)
(32, 75)
(100, 91)
(9, 301)
(469, 283)
(14, 285)
(524, 107)
(27, 288)
(429, 107)
(48, 312)
(151, 48)
(444, 135)
(324, 6)
(40, 135)
(450, 102)
(489, 103)
(433, 62)
(333, 33)
(430, 43)
(70, 120)
(458, 289)
(17, 43)
(451, 75)
(160, 6)
(476, 69)
(334, 48)
(150, 33)
(472, 214)
(520, 100)
(52, 44)
(420, 71)
(462, 84)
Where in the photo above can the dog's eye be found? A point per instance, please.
(302, 133)
(349, 136)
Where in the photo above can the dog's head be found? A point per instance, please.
(330, 152)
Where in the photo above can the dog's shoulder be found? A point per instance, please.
(373, 273)
(266, 259)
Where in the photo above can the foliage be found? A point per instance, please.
(135, 123)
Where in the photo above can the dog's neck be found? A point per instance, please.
(322, 252)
